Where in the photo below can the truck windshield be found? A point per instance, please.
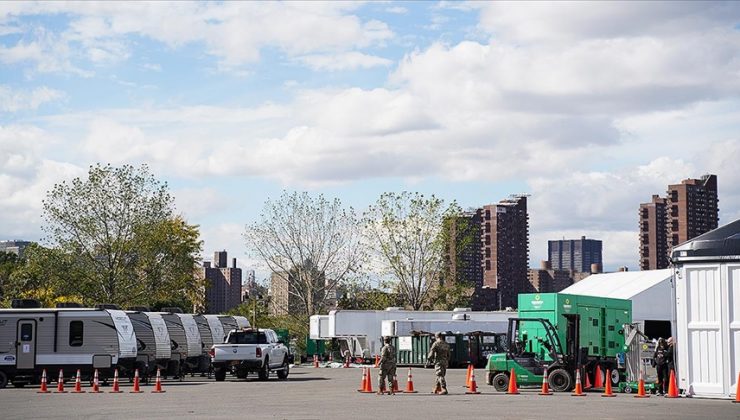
(250, 337)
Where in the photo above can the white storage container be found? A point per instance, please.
(707, 292)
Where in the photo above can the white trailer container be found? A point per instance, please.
(707, 296)
(402, 328)
(319, 327)
(362, 330)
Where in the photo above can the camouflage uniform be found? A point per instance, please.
(387, 367)
(440, 353)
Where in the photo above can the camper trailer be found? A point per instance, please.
(217, 329)
(33, 339)
(241, 322)
(187, 349)
(153, 341)
(228, 323)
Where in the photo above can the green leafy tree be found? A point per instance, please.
(315, 240)
(117, 233)
(408, 241)
(9, 262)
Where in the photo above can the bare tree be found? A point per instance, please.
(313, 242)
(406, 235)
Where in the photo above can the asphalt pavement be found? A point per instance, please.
(325, 393)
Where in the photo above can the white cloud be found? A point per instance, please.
(397, 10)
(12, 100)
(234, 33)
(352, 60)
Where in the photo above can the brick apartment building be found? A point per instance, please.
(224, 284)
(689, 209)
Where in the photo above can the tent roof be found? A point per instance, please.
(721, 242)
(620, 285)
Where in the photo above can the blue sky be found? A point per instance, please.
(589, 107)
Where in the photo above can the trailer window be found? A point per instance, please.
(75, 333)
(248, 338)
(26, 332)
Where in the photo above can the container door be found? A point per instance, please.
(733, 339)
(699, 297)
(26, 351)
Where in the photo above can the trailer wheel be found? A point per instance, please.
(219, 374)
(560, 380)
(3, 380)
(614, 377)
(501, 382)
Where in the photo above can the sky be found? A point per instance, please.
(588, 107)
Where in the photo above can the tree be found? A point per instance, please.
(406, 235)
(9, 262)
(313, 239)
(117, 233)
(361, 296)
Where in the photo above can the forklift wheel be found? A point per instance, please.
(627, 389)
(501, 382)
(560, 380)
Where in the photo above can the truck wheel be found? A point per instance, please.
(219, 374)
(264, 373)
(501, 382)
(560, 380)
(615, 377)
(284, 370)
(3, 380)
(489, 378)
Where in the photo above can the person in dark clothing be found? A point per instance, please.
(660, 359)
(669, 357)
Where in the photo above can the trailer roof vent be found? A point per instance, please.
(69, 305)
(106, 306)
(25, 303)
(139, 308)
(462, 310)
(461, 317)
(172, 309)
(393, 308)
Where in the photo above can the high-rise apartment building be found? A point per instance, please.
(224, 284)
(688, 210)
(575, 255)
(495, 256)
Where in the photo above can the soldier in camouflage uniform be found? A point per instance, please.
(387, 367)
(440, 354)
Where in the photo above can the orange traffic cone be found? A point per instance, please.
(473, 386)
(598, 380)
(78, 384)
(43, 389)
(545, 385)
(588, 382)
(116, 389)
(394, 388)
(513, 389)
(60, 383)
(578, 392)
(467, 376)
(410, 385)
(608, 386)
(137, 388)
(315, 361)
(672, 386)
(363, 381)
(737, 390)
(158, 384)
(96, 384)
(368, 382)
(346, 360)
(641, 388)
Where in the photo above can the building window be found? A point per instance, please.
(75, 333)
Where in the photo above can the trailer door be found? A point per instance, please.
(25, 354)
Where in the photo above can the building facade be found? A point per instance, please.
(223, 283)
(688, 210)
(574, 254)
(16, 247)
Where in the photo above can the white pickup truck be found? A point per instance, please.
(250, 350)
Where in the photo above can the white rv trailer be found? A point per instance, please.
(319, 327)
(217, 329)
(361, 331)
(241, 322)
(34, 339)
(405, 327)
(154, 348)
(228, 322)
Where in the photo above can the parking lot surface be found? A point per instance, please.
(324, 393)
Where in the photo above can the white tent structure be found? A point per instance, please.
(650, 293)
